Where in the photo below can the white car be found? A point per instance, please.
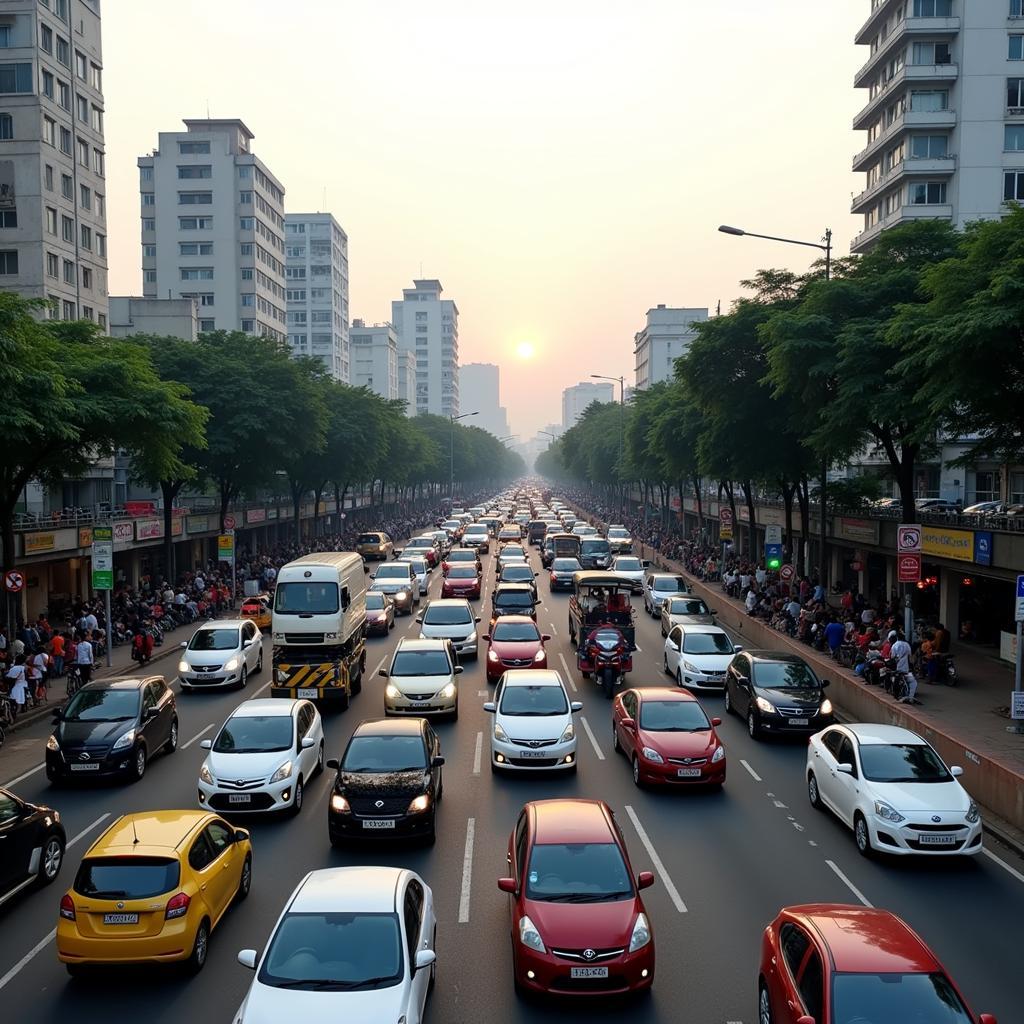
(262, 757)
(660, 585)
(619, 539)
(631, 568)
(451, 618)
(352, 944)
(892, 788)
(698, 656)
(221, 653)
(533, 725)
(688, 610)
(420, 569)
(478, 537)
(421, 679)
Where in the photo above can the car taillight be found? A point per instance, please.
(177, 906)
(67, 907)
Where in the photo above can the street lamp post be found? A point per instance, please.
(451, 476)
(826, 248)
(622, 420)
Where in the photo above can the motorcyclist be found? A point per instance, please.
(901, 652)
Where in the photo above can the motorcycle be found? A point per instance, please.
(605, 655)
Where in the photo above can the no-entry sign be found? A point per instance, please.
(229, 522)
(786, 573)
(909, 567)
(14, 582)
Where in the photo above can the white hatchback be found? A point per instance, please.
(224, 652)
(262, 757)
(698, 656)
(893, 790)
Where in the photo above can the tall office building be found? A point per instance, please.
(945, 112)
(428, 326)
(374, 351)
(53, 193)
(666, 337)
(213, 228)
(316, 252)
(576, 399)
(480, 392)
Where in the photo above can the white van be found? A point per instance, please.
(320, 600)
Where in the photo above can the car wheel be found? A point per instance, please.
(433, 966)
(138, 768)
(431, 837)
(764, 1005)
(752, 727)
(861, 835)
(664, 665)
(454, 716)
(259, 662)
(200, 948)
(243, 681)
(244, 880)
(296, 804)
(726, 701)
(812, 791)
(636, 773)
(52, 858)
(679, 677)
(320, 758)
(172, 740)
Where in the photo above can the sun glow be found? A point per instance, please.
(525, 350)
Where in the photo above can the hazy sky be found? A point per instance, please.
(561, 166)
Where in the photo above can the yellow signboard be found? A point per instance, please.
(39, 542)
(955, 544)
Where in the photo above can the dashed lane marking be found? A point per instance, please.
(592, 738)
(849, 885)
(666, 880)
(467, 872)
(753, 774)
(198, 736)
(1002, 863)
(568, 674)
(25, 775)
(477, 753)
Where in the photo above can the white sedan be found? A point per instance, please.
(698, 656)
(352, 944)
(892, 788)
(262, 757)
(221, 653)
(631, 569)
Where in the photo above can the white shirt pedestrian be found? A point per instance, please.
(751, 601)
(84, 653)
(18, 684)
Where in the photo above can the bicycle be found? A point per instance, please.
(74, 680)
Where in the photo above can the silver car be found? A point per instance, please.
(685, 611)
(420, 569)
(451, 618)
(224, 652)
(421, 679)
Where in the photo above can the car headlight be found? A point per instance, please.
(282, 773)
(392, 692)
(765, 705)
(419, 803)
(499, 733)
(491, 656)
(183, 666)
(570, 733)
(52, 744)
(401, 595)
(125, 741)
(232, 664)
(973, 814)
(826, 707)
(641, 933)
(540, 655)
(529, 936)
(448, 692)
(887, 813)
(652, 755)
(718, 755)
(471, 639)
(339, 803)
(690, 667)
(206, 776)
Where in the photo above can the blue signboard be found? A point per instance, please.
(983, 547)
(773, 555)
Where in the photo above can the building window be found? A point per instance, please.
(248, 298)
(8, 261)
(149, 252)
(149, 224)
(86, 237)
(245, 171)
(148, 199)
(51, 220)
(96, 119)
(8, 218)
(101, 205)
(149, 276)
(83, 153)
(928, 147)
(46, 39)
(48, 177)
(245, 198)
(98, 162)
(69, 272)
(245, 249)
(195, 171)
(1013, 138)
(145, 174)
(85, 197)
(83, 108)
(206, 299)
(49, 130)
(48, 85)
(67, 187)
(6, 126)
(67, 229)
(64, 94)
(930, 53)
(87, 279)
(195, 248)
(65, 140)
(245, 223)
(1013, 187)
(196, 273)
(1015, 93)
(195, 223)
(247, 326)
(87, 313)
(207, 325)
(63, 52)
(933, 8)
(69, 310)
(81, 65)
(929, 99)
(101, 245)
(193, 148)
(195, 198)
(52, 265)
(96, 77)
(926, 193)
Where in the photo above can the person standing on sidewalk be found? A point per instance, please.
(84, 658)
(57, 651)
(17, 684)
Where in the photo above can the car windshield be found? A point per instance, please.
(419, 565)
(131, 878)
(683, 606)
(516, 573)
(340, 952)
(617, 532)
(254, 734)
(706, 643)
(215, 639)
(102, 705)
(421, 542)
(421, 663)
(670, 585)
(673, 716)
(380, 754)
(515, 632)
(628, 564)
(476, 531)
(462, 556)
(462, 572)
(368, 538)
(306, 598)
(902, 762)
(513, 551)
(577, 873)
(896, 998)
(393, 572)
(374, 602)
(534, 700)
(566, 565)
(514, 599)
(594, 546)
(447, 615)
(784, 675)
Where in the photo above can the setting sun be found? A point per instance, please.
(525, 350)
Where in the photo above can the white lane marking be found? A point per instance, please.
(25, 775)
(849, 885)
(269, 682)
(380, 664)
(670, 888)
(467, 871)
(1002, 863)
(753, 774)
(478, 752)
(198, 736)
(779, 803)
(46, 940)
(640, 650)
(592, 738)
(811, 842)
(568, 674)
(482, 693)
(554, 629)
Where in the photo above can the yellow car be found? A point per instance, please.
(375, 545)
(151, 889)
(258, 609)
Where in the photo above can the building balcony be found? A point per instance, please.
(911, 74)
(912, 119)
(909, 168)
(908, 29)
(866, 239)
(880, 12)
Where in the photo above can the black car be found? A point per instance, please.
(595, 553)
(514, 599)
(112, 728)
(777, 693)
(519, 574)
(388, 783)
(32, 842)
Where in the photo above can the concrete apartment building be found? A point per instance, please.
(166, 318)
(53, 203)
(480, 392)
(316, 270)
(944, 115)
(213, 228)
(666, 336)
(575, 400)
(407, 380)
(374, 349)
(428, 327)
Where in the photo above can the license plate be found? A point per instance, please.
(588, 972)
(533, 753)
(85, 767)
(239, 798)
(688, 773)
(936, 840)
(799, 721)
(419, 703)
(307, 693)
(378, 823)
(120, 918)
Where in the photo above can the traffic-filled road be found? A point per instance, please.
(725, 862)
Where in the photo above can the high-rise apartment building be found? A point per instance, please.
(945, 112)
(375, 353)
(316, 254)
(428, 327)
(666, 337)
(480, 392)
(213, 228)
(53, 193)
(407, 380)
(576, 399)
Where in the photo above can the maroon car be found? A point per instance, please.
(461, 581)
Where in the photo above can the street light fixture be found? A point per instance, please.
(451, 476)
(826, 248)
(622, 419)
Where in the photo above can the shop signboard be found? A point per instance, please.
(84, 536)
(37, 542)
(199, 524)
(177, 526)
(864, 531)
(149, 529)
(226, 548)
(124, 534)
(955, 544)
(102, 558)
(725, 523)
(983, 547)
(255, 515)
(271, 513)
(909, 567)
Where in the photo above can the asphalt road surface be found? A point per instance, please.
(725, 863)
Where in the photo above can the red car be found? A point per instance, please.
(461, 581)
(826, 963)
(461, 556)
(667, 737)
(579, 926)
(514, 642)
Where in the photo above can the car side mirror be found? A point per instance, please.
(382, 672)
(545, 637)
(825, 683)
(183, 644)
(507, 885)
(628, 723)
(458, 670)
(206, 744)
(987, 1018)
(419, 618)
(487, 636)
(645, 880)
(737, 648)
(307, 742)
(576, 705)
(150, 713)
(714, 611)
(956, 771)
(845, 768)
(424, 958)
(240, 835)
(437, 761)
(477, 619)
(490, 707)
(248, 958)
(716, 721)
(58, 716)
(334, 764)
(538, 601)
(805, 1018)
(373, 575)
